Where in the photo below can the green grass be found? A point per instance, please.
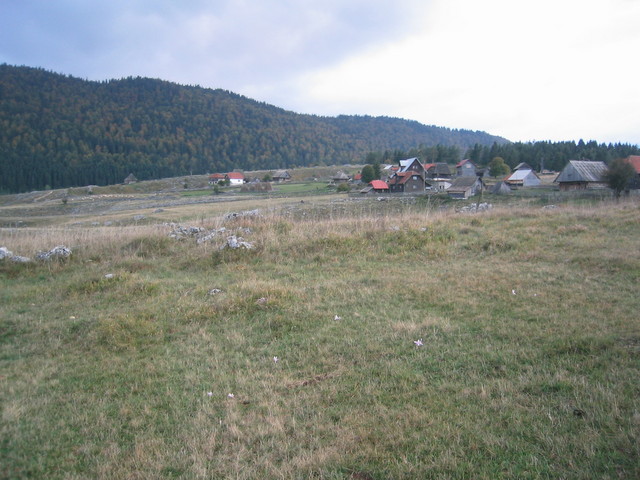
(109, 378)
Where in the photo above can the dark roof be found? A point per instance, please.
(439, 168)
(461, 184)
(582, 171)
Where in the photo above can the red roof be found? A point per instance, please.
(379, 185)
(634, 161)
(462, 162)
(358, 176)
(216, 176)
(235, 176)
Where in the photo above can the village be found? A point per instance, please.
(411, 176)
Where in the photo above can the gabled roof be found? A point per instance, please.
(341, 176)
(216, 176)
(523, 166)
(379, 185)
(461, 184)
(401, 178)
(405, 164)
(582, 171)
(235, 176)
(634, 161)
(463, 162)
(520, 175)
(281, 174)
(439, 168)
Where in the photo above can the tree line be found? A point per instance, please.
(59, 131)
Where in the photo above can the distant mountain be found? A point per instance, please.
(61, 131)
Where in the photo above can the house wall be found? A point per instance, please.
(467, 170)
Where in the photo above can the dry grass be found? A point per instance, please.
(109, 378)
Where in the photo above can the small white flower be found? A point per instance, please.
(109, 276)
(418, 342)
(337, 318)
(209, 394)
(275, 359)
(230, 395)
(513, 292)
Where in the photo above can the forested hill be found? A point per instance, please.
(60, 131)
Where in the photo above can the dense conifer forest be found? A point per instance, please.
(59, 131)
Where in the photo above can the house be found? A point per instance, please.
(281, 176)
(634, 161)
(376, 186)
(235, 178)
(340, 177)
(464, 187)
(357, 178)
(130, 179)
(438, 170)
(411, 165)
(581, 175)
(409, 178)
(406, 182)
(466, 168)
(523, 177)
(216, 178)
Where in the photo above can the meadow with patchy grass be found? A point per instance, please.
(408, 343)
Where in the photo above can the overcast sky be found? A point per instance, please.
(525, 70)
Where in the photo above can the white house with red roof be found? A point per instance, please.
(235, 178)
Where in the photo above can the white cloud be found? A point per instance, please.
(545, 70)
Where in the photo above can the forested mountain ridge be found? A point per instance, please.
(59, 131)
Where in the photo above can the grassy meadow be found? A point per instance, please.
(120, 362)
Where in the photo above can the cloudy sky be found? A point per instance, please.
(525, 70)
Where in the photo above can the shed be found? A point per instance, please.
(340, 177)
(581, 175)
(634, 161)
(464, 187)
(130, 179)
(523, 178)
(501, 188)
(281, 176)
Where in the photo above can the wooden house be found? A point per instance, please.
(466, 168)
(582, 175)
(464, 187)
(340, 177)
(376, 186)
(281, 176)
(523, 177)
(131, 178)
(409, 178)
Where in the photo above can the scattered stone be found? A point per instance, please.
(248, 213)
(55, 253)
(6, 254)
(261, 301)
(234, 242)
(549, 207)
(214, 291)
(473, 208)
(109, 276)
(137, 218)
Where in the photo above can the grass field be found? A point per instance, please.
(528, 368)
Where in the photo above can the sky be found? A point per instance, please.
(526, 70)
